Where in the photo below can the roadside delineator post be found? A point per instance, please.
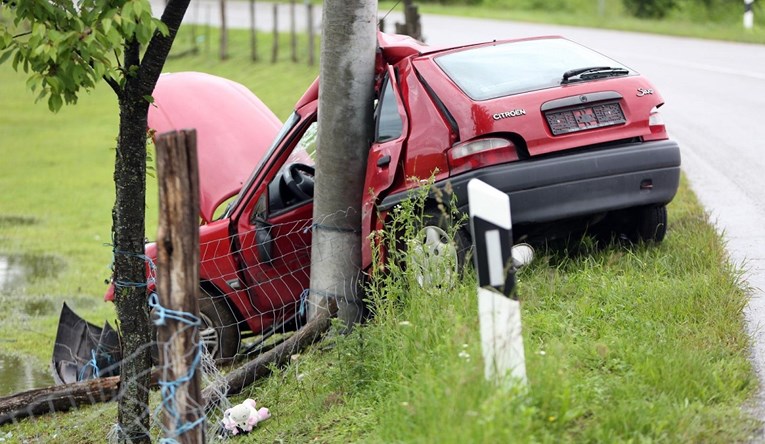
(498, 308)
(748, 14)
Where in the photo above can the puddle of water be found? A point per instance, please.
(17, 270)
(10, 221)
(17, 375)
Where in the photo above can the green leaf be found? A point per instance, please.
(127, 10)
(138, 7)
(107, 25)
(149, 98)
(5, 56)
(162, 28)
(55, 102)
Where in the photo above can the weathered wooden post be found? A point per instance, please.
(411, 25)
(311, 35)
(253, 33)
(275, 48)
(223, 31)
(178, 286)
(293, 32)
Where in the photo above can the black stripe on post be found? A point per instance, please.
(493, 256)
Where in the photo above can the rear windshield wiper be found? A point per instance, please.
(593, 72)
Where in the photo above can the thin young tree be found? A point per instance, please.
(66, 47)
(346, 91)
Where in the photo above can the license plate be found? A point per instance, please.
(584, 118)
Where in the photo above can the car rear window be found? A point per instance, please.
(510, 68)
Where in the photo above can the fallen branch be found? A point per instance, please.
(262, 366)
(58, 398)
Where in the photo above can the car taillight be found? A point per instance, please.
(654, 118)
(474, 154)
(656, 125)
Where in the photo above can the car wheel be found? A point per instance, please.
(219, 330)
(434, 255)
(650, 224)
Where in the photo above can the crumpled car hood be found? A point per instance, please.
(234, 130)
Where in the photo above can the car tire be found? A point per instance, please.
(437, 248)
(219, 330)
(650, 224)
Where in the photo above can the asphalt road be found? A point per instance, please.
(715, 99)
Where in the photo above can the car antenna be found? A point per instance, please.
(387, 13)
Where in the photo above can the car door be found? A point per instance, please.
(391, 129)
(274, 232)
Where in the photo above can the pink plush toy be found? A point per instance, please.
(243, 417)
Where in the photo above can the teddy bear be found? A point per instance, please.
(243, 417)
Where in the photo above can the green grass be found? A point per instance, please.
(626, 344)
(638, 344)
(725, 24)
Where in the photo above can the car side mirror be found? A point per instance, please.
(264, 242)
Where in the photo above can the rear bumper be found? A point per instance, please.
(578, 184)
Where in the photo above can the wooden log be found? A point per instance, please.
(178, 284)
(59, 398)
(262, 366)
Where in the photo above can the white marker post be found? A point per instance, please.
(499, 311)
(748, 14)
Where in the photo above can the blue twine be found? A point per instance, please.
(150, 280)
(303, 300)
(91, 363)
(161, 313)
(168, 388)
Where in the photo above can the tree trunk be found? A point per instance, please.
(128, 227)
(129, 266)
(345, 132)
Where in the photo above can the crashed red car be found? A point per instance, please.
(572, 136)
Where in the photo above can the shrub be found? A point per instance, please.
(654, 9)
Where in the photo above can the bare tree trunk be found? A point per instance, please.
(129, 266)
(128, 227)
(178, 284)
(345, 132)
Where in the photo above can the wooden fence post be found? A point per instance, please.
(178, 286)
(253, 33)
(293, 32)
(223, 31)
(311, 44)
(275, 48)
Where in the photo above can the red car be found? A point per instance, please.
(572, 136)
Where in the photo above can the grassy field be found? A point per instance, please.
(626, 344)
(724, 23)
